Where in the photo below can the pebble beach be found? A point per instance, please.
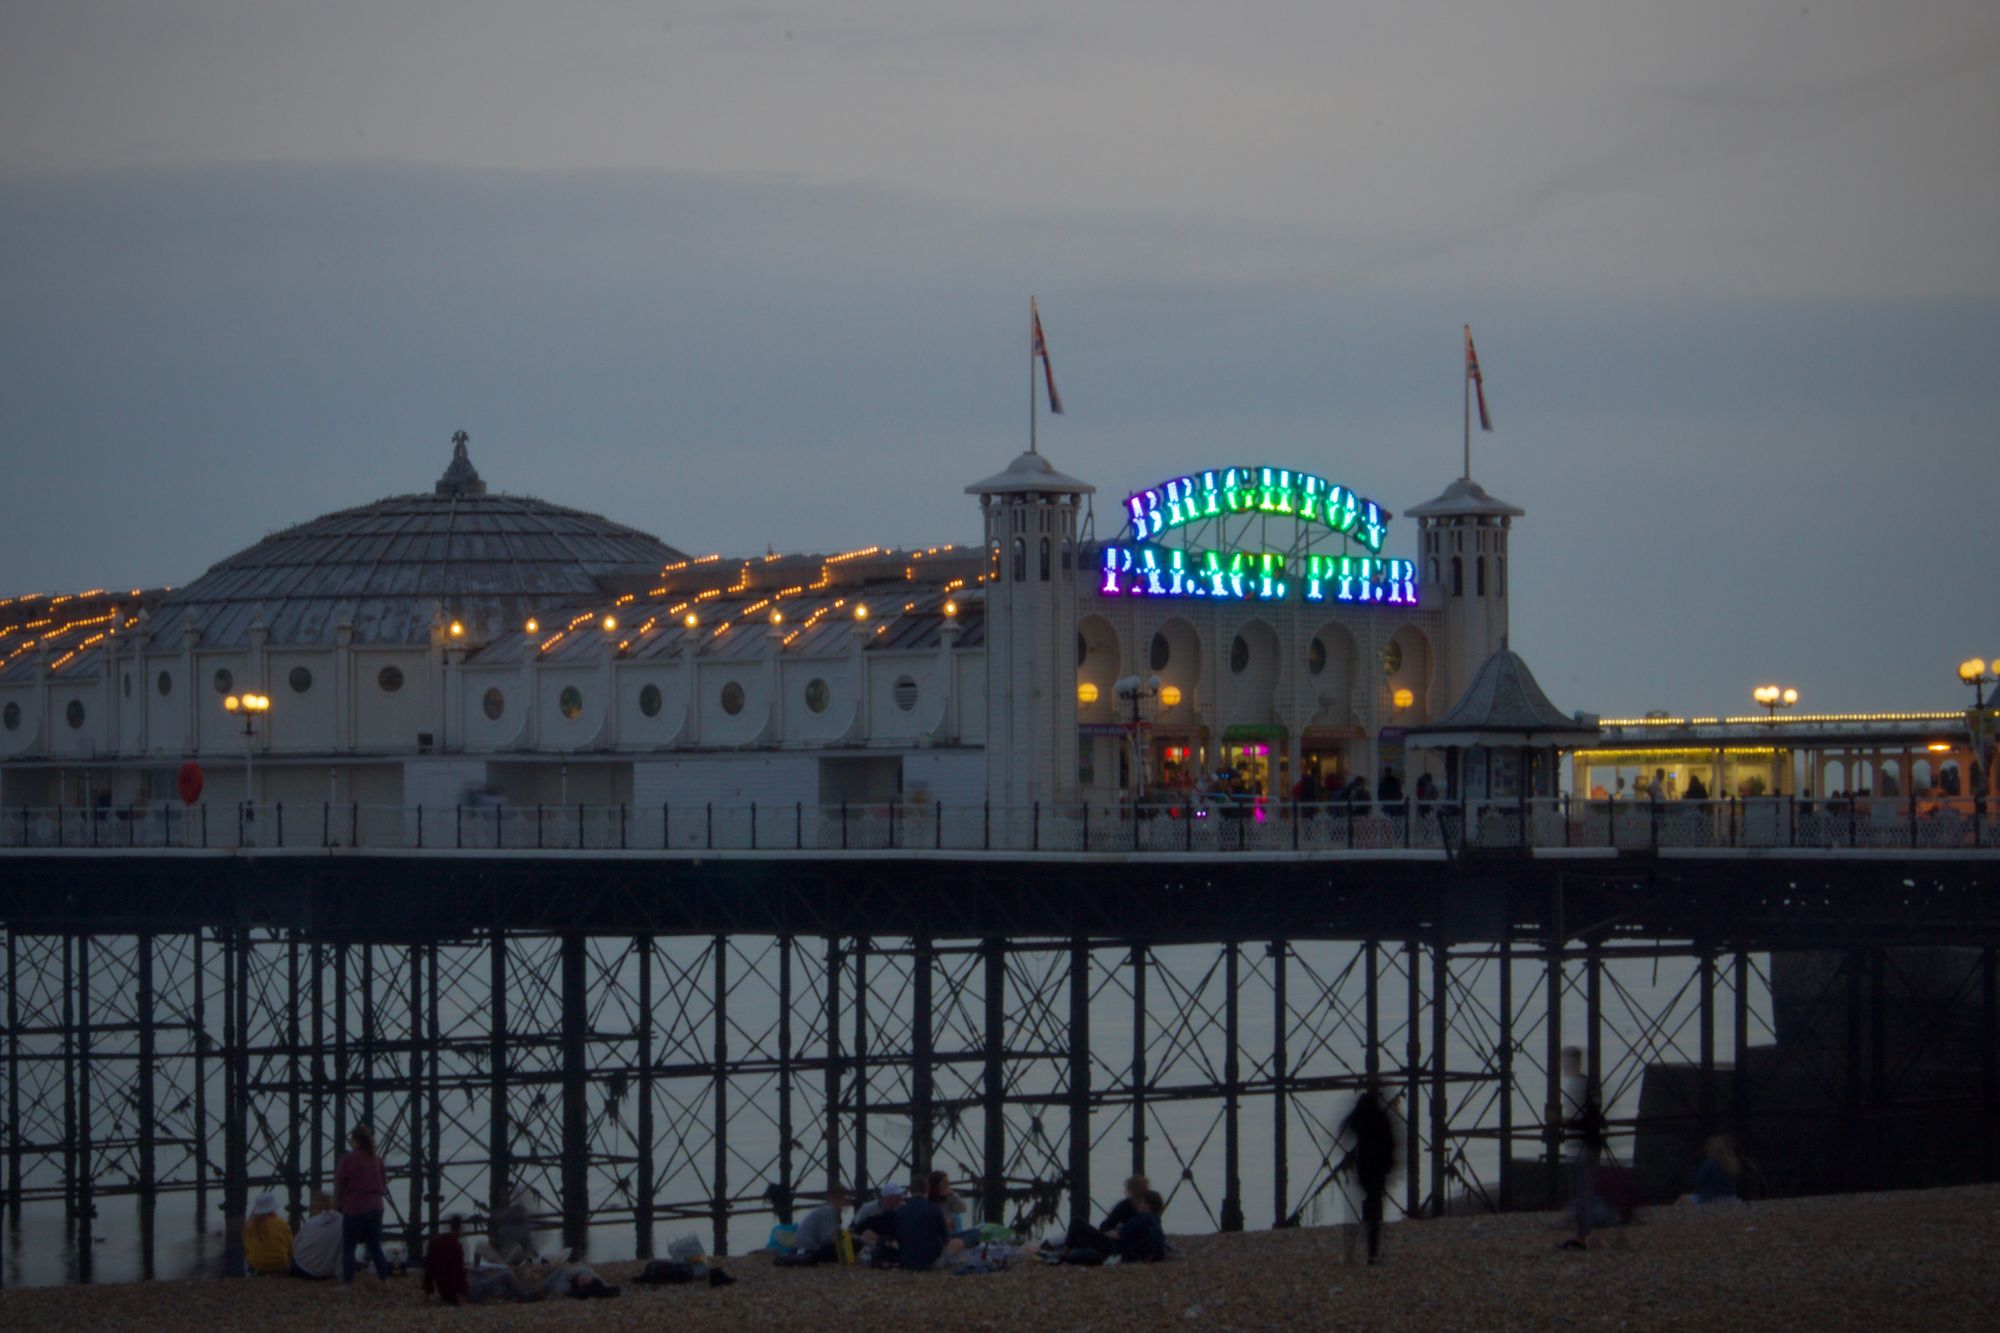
(1900, 1260)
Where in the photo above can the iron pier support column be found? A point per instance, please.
(1079, 1081)
(1552, 1029)
(294, 1119)
(642, 1206)
(719, 1200)
(198, 1018)
(860, 1059)
(434, 1149)
(787, 1183)
(413, 1221)
(1371, 1058)
(147, 1123)
(1989, 1059)
(923, 1090)
(340, 1054)
(1232, 1092)
(499, 1169)
(1853, 1175)
(1739, 1102)
(994, 1186)
(1281, 1081)
(69, 1166)
(368, 1034)
(1138, 953)
(85, 1165)
(1504, 1057)
(1706, 1092)
(1413, 1073)
(316, 1143)
(14, 1076)
(575, 1092)
(1440, 1098)
(834, 1068)
(1881, 1168)
(236, 1093)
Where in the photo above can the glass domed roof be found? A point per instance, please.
(389, 568)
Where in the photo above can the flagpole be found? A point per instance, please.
(1465, 373)
(1031, 374)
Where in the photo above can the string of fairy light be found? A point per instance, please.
(688, 614)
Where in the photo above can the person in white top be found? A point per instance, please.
(316, 1249)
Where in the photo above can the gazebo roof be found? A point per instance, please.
(1030, 474)
(1465, 497)
(1505, 706)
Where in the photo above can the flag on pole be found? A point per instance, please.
(1041, 349)
(1478, 380)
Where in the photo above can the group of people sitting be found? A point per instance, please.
(920, 1225)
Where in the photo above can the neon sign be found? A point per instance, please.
(1227, 508)
(1145, 570)
(1274, 491)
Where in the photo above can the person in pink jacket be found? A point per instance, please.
(360, 1189)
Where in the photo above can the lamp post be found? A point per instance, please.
(252, 707)
(1774, 697)
(1136, 691)
(1979, 675)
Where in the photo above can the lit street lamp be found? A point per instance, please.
(1979, 675)
(1137, 691)
(1774, 697)
(252, 707)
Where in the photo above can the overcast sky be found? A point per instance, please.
(758, 274)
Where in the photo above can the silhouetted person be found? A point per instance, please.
(1391, 787)
(1372, 1159)
(1697, 790)
(1583, 1132)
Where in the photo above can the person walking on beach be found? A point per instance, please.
(1372, 1159)
(1583, 1129)
(360, 1189)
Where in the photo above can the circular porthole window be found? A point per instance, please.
(904, 691)
(300, 680)
(1316, 656)
(389, 679)
(10, 717)
(818, 695)
(570, 701)
(164, 684)
(732, 698)
(649, 701)
(1162, 652)
(224, 682)
(494, 704)
(74, 714)
(1239, 655)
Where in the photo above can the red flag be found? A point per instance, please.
(1041, 349)
(1478, 380)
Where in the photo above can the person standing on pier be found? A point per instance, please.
(360, 1190)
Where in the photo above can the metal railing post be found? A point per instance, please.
(799, 825)
(843, 826)
(239, 824)
(708, 814)
(1135, 828)
(1037, 846)
(458, 825)
(420, 823)
(325, 824)
(1612, 822)
(1853, 815)
(1409, 821)
(1732, 819)
(1350, 821)
(1791, 821)
(1295, 821)
(353, 825)
(1913, 814)
(1187, 818)
(1086, 827)
(281, 824)
(621, 826)
(665, 826)
(892, 823)
(579, 825)
(986, 834)
(204, 824)
(937, 826)
(753, 826)
(538, 826)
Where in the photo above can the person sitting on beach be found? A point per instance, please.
(267, 1240)
(937, 1188)
(316, 1249)
(1104, 1239)
(1715, 1179)
(908, 1233)
(578, 1280)
(444, 1264)
(496, 1282)
(1140, 1238)
(885, 1202)
(813, 1242)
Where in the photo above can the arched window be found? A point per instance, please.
(1045, 559)
(1020, 559)
(1479, 575)
(1457, 577)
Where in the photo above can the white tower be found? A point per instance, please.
(1031, 513)
(1462, 560)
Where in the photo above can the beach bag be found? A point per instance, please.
(783, 1238)
(687, 1250)
(843, 1247)
(664, 1272)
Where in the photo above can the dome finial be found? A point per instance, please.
(461, 478)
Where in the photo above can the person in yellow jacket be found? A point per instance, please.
(267, 1240)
